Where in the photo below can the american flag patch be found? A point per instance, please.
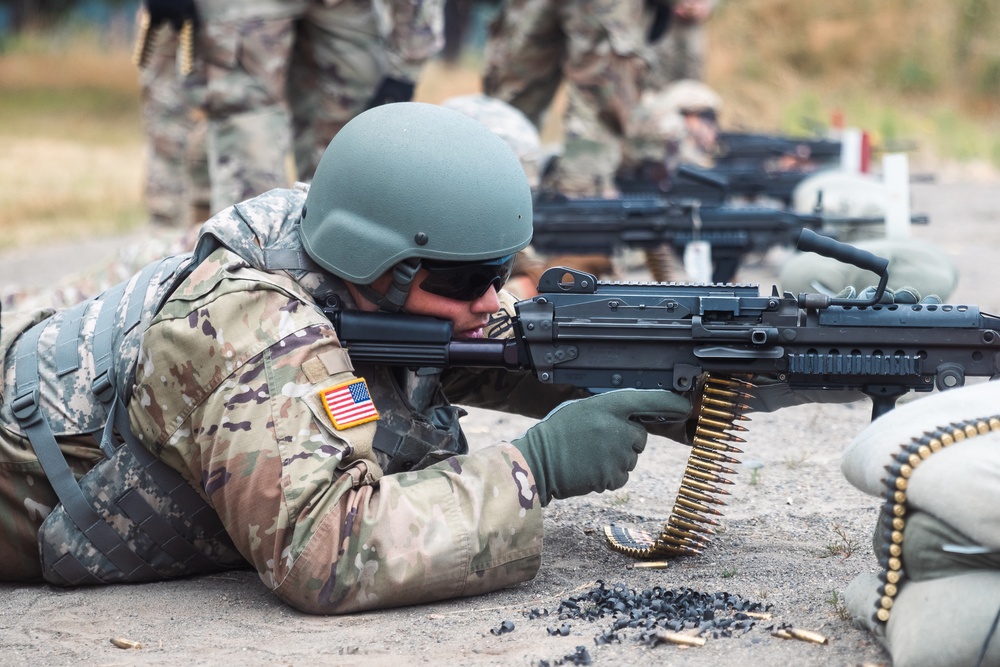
(349, 404)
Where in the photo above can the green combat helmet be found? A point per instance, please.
(410, 182)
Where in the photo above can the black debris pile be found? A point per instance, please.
(645, 612)
(504, 628)
(579, 657)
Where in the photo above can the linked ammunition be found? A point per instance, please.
(703, 438)
(681, 523)
(185, 46)
(701, 486)
(709, 455)
(698, 495)
(695, 506)
(143, 41)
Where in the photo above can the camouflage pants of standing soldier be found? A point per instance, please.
(597, 48)
(177, 187)
(679, 54)
(278, 69)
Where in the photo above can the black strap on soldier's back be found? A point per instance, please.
(27, 412)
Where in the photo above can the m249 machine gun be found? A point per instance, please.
(601, 226)
(723, 341)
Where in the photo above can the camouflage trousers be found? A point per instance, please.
(280, 80)
(679, 54)
(177, 188)
(26, 497)
(597, 48)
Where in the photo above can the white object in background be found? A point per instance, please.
(896, 176)
(851, 139)
(698, 261)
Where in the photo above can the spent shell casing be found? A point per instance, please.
(647, 565)
(678, 638)
(807, 636)
(121, 642)
(760, 615)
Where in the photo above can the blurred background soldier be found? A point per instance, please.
(675, 125)
(598, 48)
(283, 76)
(176, 189)
(678, 40)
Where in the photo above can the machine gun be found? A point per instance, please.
(719, 339)
(602, 336)
(600, 226)
(753, 149)
(715, 185)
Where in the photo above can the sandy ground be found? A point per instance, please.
(793, 535)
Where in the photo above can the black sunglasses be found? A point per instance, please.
(465, 281)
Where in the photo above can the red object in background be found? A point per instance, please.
(866, 152)
(837, 119)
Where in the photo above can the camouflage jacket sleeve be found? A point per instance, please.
(227, 392)
(413, 32)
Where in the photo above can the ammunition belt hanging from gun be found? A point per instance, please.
(689, 526)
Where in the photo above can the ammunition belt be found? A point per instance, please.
(689, 526)
(894, 509)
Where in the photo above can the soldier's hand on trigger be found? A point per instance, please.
(591, 444)
(175, 12)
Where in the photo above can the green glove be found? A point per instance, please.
(591, 444)
(902, 295)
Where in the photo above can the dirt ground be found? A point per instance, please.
(793, 535)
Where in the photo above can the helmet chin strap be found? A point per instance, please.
(394, 298)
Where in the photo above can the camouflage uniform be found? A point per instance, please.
(598, 47)
(680, 52)
(177, 189)
(283, 76)
(227, 381)
(661, 133)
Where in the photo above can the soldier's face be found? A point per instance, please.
(467, 317)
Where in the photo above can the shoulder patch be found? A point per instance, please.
(349, 404)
